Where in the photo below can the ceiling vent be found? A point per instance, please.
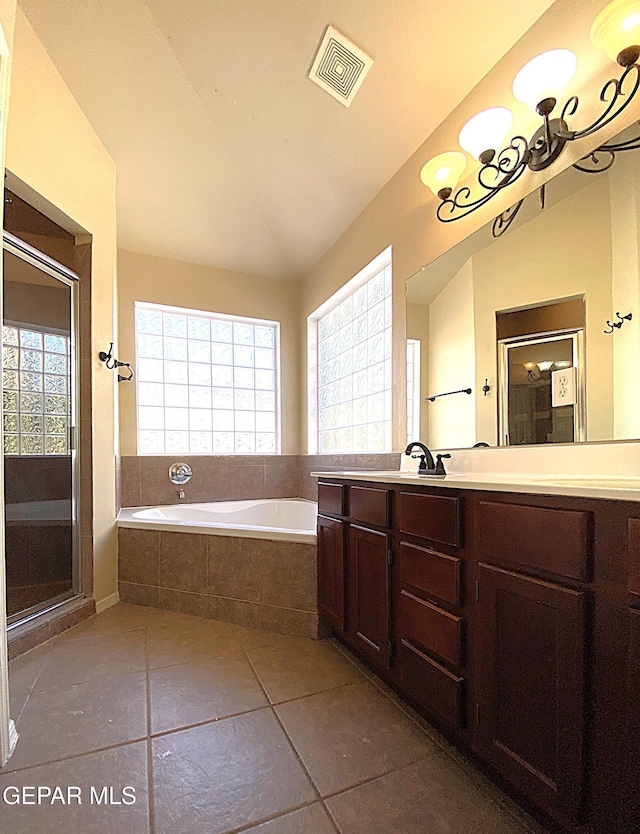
(339, 66)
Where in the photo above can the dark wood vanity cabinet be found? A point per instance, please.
(530, 685)
(331, 579)
(510, 621)
(369, 588)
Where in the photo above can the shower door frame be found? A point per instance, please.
(66, 276)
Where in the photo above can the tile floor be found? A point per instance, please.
(220, 729)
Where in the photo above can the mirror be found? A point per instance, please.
(525, 316)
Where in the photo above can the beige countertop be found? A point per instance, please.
(609, 487)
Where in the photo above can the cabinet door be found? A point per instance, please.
(530, 686)
(331, 571)
(369, 589)
(631, 803)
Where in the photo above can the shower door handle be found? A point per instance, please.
(72, 438)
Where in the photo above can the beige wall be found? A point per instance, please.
(418, 328)
(64, 171)
(625, 228)
(452, 363)
(180, 284)
(403, 213)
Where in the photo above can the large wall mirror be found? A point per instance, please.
(525, 315)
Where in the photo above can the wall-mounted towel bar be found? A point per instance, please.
(448, 394)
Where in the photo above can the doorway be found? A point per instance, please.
(40, 399)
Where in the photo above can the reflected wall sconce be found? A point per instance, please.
(112, 363)
(617, 324)
(539, 84)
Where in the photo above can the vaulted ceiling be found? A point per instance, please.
(226, 153)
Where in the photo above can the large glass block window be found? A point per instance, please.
(35, 391)
(354, 370)
(207, 383)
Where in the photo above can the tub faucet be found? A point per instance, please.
(427, 463)
(181, 493)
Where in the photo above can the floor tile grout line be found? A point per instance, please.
(33, 765)
(96, 679)
(202, 659)
(331, 818)
(163, 733)
(271, 818)
(44, 663)
(286, 734)
(151, 801)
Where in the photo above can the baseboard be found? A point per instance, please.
(107, 602)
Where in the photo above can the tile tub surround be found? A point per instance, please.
(251, 582)
(144, 480)
(226, 729)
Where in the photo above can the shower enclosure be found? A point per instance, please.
(40, 394)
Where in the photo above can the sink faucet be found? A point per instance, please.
(427, 463)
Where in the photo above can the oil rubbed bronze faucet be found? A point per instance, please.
(427, 464)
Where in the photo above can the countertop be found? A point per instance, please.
(608, 487)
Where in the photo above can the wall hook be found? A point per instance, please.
(617, 324)
(112, 363)
(486, 387)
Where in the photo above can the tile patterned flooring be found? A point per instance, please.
(220, 729)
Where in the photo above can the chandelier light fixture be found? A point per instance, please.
(539, 85)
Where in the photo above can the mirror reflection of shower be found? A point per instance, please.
(39, 399)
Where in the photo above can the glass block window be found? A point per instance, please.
(207, 383)
(35, 391)
(413, 389)
(354, 369)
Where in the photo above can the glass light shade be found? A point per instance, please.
(485, 131)
(545, 76)
(443, 171)
(545, 365)
(617, 27)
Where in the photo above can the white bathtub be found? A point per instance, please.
(283, 519)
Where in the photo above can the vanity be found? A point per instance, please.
(507, 612)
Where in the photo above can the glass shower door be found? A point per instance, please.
(39, 406)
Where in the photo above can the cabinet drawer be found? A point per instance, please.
(432, 572)
(556, 541)
(431, 627)
(331, 498)
(434, 517)
(371, 505)
(432, 686)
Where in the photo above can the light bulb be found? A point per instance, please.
(616, 31)
(485, 131)
(441, 174)
(544, 77)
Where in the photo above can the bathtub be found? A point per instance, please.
(279, 519)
